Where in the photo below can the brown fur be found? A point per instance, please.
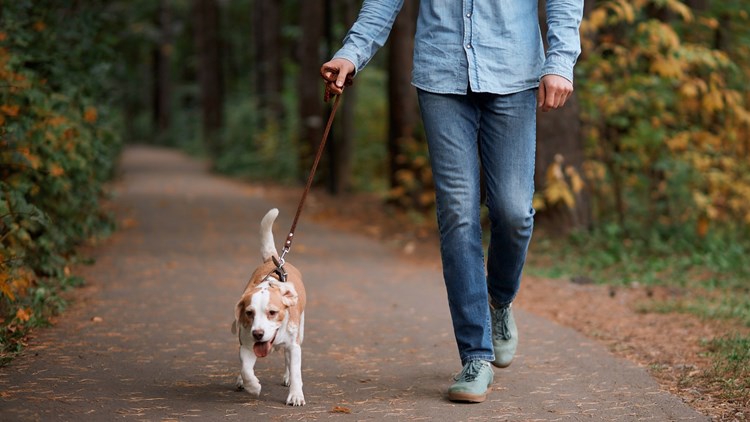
(277, 300)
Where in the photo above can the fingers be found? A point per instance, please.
(554, 92)
(337, 73)
(541, 96)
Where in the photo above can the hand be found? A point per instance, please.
(337, 73)
(554, 91)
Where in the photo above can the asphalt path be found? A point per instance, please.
(149, 337)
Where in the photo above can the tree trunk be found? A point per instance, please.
(162, 87)
(559, 132)
(268, 52)
(309, 83)
(208, 48)
(402, 100)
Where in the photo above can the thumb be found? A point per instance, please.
(341, 79)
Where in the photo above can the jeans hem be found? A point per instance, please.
(499, 305)
(467, 359)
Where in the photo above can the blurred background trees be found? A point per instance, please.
(659, 103)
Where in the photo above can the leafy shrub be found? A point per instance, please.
(666, 120)
(57, 147)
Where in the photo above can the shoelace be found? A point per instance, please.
(501, 329)
(470, 371)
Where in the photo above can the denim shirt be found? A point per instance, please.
(492, 46)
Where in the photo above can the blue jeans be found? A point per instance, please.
(497, 134)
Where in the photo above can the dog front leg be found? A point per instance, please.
(294, 369)
(287, 365)
(247, 378)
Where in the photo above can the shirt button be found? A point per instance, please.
(468, 45)
(468, 15)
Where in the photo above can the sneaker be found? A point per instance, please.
(472, 382)
(504, 336)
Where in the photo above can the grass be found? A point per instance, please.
(731, 371)
(710, 276)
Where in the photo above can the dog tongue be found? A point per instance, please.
(262, 349)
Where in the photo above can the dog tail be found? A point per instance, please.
(267, 246)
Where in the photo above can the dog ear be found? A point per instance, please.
(288, 293)
(239, 314)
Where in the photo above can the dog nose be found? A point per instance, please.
(258, 334)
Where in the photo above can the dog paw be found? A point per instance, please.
(251, 385)
(295, 399)
(286, 380)
(252, 388)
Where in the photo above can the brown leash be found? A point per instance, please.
(290, 237)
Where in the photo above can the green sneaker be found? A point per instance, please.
(504, 336)
(472, 382)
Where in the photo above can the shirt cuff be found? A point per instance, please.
(558, 65)
(351, 55)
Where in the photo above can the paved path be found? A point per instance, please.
(151, 340)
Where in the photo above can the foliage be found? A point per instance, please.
(57, 147)
(667, 120)
(267, 154)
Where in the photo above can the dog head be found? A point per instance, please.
(263, 310)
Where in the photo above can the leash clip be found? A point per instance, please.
(280, 271)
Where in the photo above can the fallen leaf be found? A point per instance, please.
(341, 409)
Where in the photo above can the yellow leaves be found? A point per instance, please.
(33, 161)
(596, 20)
(56, 121)
(56, 170)
(680, 9)
(90, 115)
(5, 287)
(667, 67)
(660, 35)
(610, 12)
(710, 23)
(9, 110)
(15, 283)
(561, 186)
(622, 10)
(679, 142)
(712, 101)
(654, 97)
(23, 314)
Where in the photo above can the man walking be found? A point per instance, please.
(481, 72)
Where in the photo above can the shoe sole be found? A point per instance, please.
(497, 365)
(468, 397)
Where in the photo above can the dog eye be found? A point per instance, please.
(249, 314)
(273, 313)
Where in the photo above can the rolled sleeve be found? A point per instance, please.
(563, 37)
(369, 32)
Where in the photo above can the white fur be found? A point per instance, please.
(285, 334)
(267, 245)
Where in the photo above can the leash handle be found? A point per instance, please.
(290, 237)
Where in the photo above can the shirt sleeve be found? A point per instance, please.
(369, 32)
(563, 37)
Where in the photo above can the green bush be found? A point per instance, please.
(58, 146)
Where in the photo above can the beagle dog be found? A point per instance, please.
(270, 315)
